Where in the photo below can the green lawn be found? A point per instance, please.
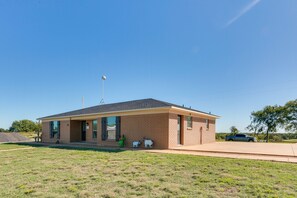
(4, 146)
(53, 172)
(30, 135)
(290, 141)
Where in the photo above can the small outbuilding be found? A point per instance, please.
(168, 125)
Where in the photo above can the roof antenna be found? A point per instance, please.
(103, 79)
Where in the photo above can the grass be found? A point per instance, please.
(58, 172)
(290, 141)
(30, 135)
(5, 146)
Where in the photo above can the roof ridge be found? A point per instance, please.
(114, 103)
(167, 103)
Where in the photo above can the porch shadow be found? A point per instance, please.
(70, 147)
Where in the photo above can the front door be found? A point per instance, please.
(83, 130)
(178, 129)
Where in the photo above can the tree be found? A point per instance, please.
(267, 120)
(38, 126)
(24, 126)
(290, 115)
(2, 130)
(234, 130)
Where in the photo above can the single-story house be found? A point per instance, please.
(168, 125)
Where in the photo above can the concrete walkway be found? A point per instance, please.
(270, 149)
(244, 150)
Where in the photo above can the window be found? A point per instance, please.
(189, 122)
(94, 134)
(207, 124)
(55, 129)
(111, 128)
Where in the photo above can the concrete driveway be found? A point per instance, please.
(240, 150)
(251, 148)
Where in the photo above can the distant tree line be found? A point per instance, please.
(3, 130)
(23, 126)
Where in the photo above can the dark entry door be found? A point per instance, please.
(83, 130)
(178, 129)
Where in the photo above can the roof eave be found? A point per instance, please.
(194, 112)
(105, 113)
(135, 111)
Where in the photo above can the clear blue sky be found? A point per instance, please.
(228, 57)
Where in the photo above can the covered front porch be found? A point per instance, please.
(89, 133)
(83, 131)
